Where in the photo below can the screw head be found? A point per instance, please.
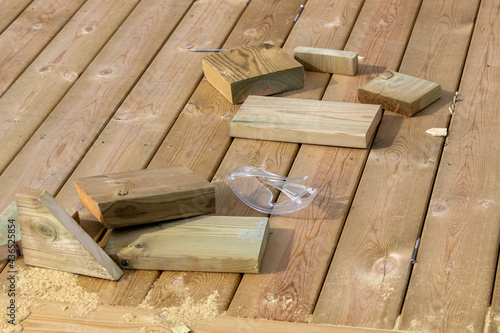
(139, 245)
(125, 262)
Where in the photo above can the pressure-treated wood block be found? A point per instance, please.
(306, 121)
(326, 60)
(399, 93)
(147, 195)
(262, 69)
(52, 239)
(204, 243)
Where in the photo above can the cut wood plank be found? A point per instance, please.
(206, 244)
(52, 239)
(23, 40)
(368, 278)
(147, 195)
(262, 69)
(399, 93)
(105, 319)
(10, 11)
(451, 284)
(66, 134)
(326, 60)
(302, 244)
(42, 85)
(10, 231)
(305, 121)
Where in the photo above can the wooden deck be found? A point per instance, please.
(91, 87)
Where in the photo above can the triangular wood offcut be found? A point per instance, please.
(52, 239)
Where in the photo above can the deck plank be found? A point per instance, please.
(451, 283)
(64, 137)
(23, 40)
(209, 127)
(293, 274)
(369, 272)
(11, 9)
(43, 84)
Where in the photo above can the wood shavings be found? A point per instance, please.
(437, 131)
(188, 313)
(181, 329)
(128, 317)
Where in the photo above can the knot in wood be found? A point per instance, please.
(45, 230)
(267, 45)
(47, 68)
(269, 297)
(438, 208)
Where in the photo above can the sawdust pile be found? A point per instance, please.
(35, 285)
(188, 313)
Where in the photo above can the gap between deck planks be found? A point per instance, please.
(26, 37)
(43, 84)
(368, 277)
(450, 287)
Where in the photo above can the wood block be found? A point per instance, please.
(399, 93)
(326, 60)
(206, 243)
(52, 239)
(262, 69)
(145, 196)
(306, 121)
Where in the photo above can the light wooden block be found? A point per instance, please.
(306, 121)
(206, 243)
(262, 69)
(147, 195)
(399, 93)
(52, 239)
(326, 60)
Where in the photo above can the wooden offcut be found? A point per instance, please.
(262, 69)
(306, 121)
(206, 244)
(399, 93)
(52, 239)
(326, 60)
(147, 195)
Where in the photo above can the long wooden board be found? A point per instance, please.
(23, 40)
(122, 319)
(301, 247)
(73, 125)
(369, 272)
(42, 85)
(10, 11)
(304, 121)
(451, 284)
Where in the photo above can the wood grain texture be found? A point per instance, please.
(49, 318)
(399, 92)
(146, 195)
(132, 136)
(10, 11)
(43, 84)
(305, 121)
(326, 60)
(204, 244)
(64, 137)
(371, 267)
(52, 239)
(451, 284)
(23, 40)
(301, 247)
(262, 69)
